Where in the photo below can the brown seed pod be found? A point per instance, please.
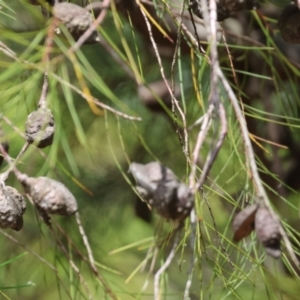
(243, 222)
(76, 19)
(267, 231)
(12, 207)
(225, 8)
(162, 190)
(39, 128)
(4, 144)
(49, 195)
(289, 24)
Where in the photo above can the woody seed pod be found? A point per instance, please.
(50, 195)
(162, 190)
(267, 231)
(39, 128)
(76, 19)
(12, 207)
(289, 24)
(243, 222)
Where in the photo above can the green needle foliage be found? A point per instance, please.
(104, 122)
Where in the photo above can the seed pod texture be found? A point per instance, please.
(267, 230)
(76, 19)
(162, 190)
(39, 128)
(12, 208)
(50, 195)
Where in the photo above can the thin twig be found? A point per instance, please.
(71, 262)
(90, 261)
(261, 194)
(46, 60)
(210, 17)
(96, 5)
(193, 220)
(91, 29)
(11, 54)
(166, 264)
(213, 153)
(11, 163)
(174, 61)
(30, 251)
(201, 50)
(95, 100)
(200, 139)
(197, 122)
(174, 100)
(42, 101)
(118, 59)
(5, 174)
(15, 128)
(216, 231)
(85, 241)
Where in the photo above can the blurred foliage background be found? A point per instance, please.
(91, 155)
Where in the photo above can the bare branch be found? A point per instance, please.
(175, 102)
(92, 27)
(166, 264)
(261, 194)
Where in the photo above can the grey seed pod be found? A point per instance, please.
(150, 175)
(289, 24)
(12, 207)
(267, 231)
(162, 190)
(39, 128)
(154, 171)
(76, 19)
(4, 144)
(243, 222)
(49, 195)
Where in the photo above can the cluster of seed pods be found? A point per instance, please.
(258, 218)
(161, 189)
(49, 196)
(155, 183)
